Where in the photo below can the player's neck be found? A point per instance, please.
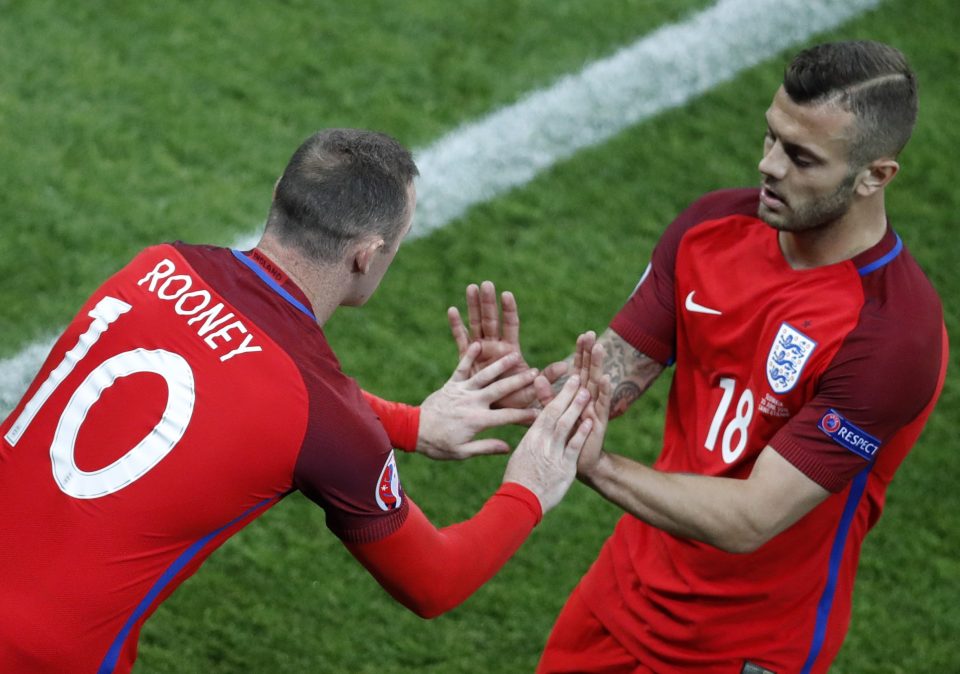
(323, 284)
(861, 228)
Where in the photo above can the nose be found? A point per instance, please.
(774, 161)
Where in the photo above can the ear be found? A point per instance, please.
(876, 176)
(365, 252)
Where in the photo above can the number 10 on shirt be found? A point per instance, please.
(175, 371)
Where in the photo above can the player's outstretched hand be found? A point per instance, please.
(497, 337)
(545, 461)
(598, 411)
(452, 416)
(586, 352)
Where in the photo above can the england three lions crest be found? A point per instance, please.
(790, 351)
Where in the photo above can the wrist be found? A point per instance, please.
(525, 495)
(595, 472)
(400, 421)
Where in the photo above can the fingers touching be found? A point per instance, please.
(467, 358)
(497, 369)
(459, 331)
(511, 318)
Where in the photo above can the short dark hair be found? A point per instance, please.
(870, 79)
(339, 185)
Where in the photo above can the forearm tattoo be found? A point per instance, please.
(623, 396)
(631, 372)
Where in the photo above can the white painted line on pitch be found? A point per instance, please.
(665, 69)
(508, 148)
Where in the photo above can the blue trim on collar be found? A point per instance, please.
(276, 287)
(876, 264)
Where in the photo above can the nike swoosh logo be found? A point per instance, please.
(699, 308)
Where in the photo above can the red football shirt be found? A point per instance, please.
(836, 367)
(190, 394)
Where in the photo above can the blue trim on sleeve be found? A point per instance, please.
(110, 661)
(276, 287)
(825, 604)
(876, 264)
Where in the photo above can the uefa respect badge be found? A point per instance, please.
(848, 435)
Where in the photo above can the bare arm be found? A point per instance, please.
(631, 372)
(430, 571)
(730, 514)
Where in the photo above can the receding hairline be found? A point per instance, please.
(341, 184)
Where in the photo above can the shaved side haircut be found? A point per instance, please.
(872, 80)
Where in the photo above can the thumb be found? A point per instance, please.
(483, 447)
(554, 371)
(543, 390)
(572, 450)
(462, 373)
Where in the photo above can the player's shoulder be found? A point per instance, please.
(899, 342)
(181, 255)
(897, 291)
(199, 253)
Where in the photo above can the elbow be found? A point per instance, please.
(427, 605)
(427, 612)
(743, 540)
(739, 546)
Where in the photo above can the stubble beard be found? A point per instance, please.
(817, 214)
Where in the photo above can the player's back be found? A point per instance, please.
(165, 418)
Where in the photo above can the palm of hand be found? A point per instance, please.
(498, 337)
(492, 350)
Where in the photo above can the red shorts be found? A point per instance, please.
(580, 643)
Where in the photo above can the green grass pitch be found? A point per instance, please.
(124, 124)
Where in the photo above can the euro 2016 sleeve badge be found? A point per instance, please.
(389, 493)
(790, 351)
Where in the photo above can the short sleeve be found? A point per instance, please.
(648, 320)
(873, 399)
(347, 465)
